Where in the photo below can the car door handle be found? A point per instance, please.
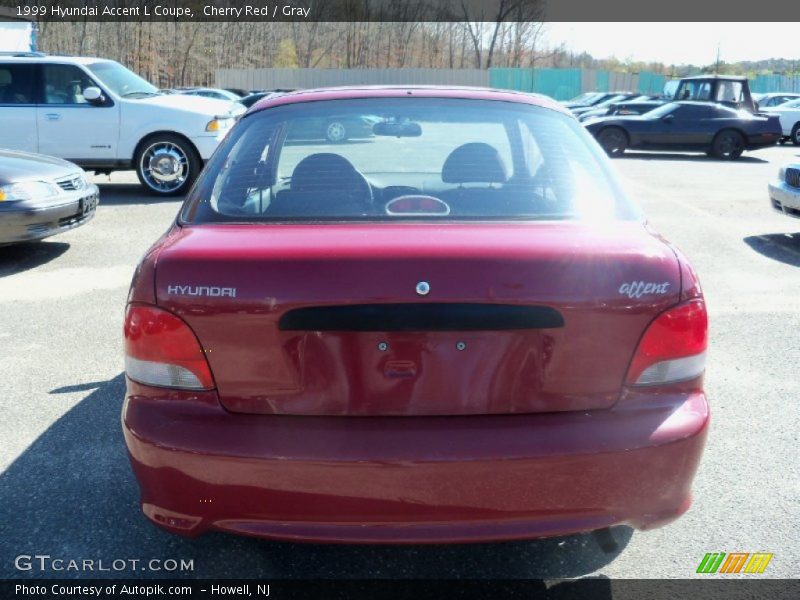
(53, 116)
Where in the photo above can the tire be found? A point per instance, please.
(614, 140)
(796, 134)
(728, 145)
(335, 132)
(167, 164)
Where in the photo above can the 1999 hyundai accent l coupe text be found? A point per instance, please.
(457, 329)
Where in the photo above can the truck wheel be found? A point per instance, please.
(728, 145)
(167, 165)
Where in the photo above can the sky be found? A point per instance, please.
(679, 43)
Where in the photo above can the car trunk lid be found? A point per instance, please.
(336, 319)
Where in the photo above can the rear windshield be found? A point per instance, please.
(387, 159)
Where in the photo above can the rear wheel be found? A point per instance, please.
(796, 134)
(613, 140)
(167, 165)
(728, 145)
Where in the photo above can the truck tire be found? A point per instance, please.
(167, 164)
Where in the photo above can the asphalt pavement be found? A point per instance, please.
(66, 489)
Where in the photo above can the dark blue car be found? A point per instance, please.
(687, 126)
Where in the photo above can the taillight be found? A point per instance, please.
(161, 350)
(673, 348)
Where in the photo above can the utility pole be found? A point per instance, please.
(716, 64)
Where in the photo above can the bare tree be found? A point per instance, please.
(376, 34)
(483, 21)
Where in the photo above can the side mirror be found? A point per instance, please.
(93, 95)
(668, 118)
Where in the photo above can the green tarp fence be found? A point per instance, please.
(563, 84)
(775, 83)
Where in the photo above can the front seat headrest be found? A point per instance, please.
(325, 171)
(475, 162)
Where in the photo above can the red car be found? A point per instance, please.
(459, 329)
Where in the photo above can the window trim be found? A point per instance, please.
(35, 89)
(626, 209)
(109, 100)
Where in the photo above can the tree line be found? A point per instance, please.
(173, 54)
(188, 53)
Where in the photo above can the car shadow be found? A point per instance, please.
(675, 156)
(16, 258)
(125, 194)
(783, 247)
(71, 494)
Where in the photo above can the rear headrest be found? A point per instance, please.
(323, 171)
(474, 163)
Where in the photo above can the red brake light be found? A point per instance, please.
(673, 347)
(161, 350)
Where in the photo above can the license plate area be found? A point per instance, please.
(424, 373)
(87, 205)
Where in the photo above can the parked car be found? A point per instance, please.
(254, 97)
(774, 99)
(784, 193)
(41, 196)
(331, 130)
(214, 93)
(461, 331)
(726, 90)
(789, 115)
(633, 107)
(103, 117)
(620, 97)
(690, 126)
(588, 99)
(251, 99)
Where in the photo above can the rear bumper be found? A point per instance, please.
(26, 221)
(763, 140)
(785, 198)
(411, 479)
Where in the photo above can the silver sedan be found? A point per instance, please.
(41, 196)
(784, 193)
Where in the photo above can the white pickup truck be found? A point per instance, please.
(103, 117)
